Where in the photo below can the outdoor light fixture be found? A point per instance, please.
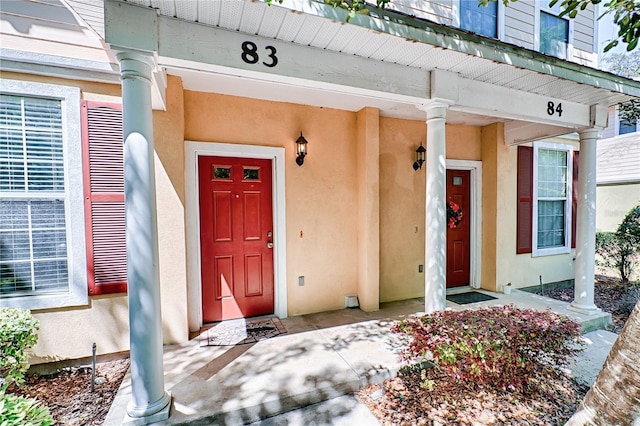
(301, 149)
(417, 165)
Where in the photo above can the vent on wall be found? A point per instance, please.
(351, 301)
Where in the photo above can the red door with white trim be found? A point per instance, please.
(458, 248)
(236, 237)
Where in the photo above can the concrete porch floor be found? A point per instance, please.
(322, 357)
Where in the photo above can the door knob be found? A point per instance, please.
(269, 244)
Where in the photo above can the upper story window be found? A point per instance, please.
(628, 126)
(41, 242)
(554, 35)
(478, 19)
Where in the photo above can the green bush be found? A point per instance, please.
(17, 336)
(21, 411)
(499, 347)
(620, 250)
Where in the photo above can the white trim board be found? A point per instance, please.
(475, 233)
(192, 214)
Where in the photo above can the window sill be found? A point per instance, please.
(551, 251)
(45, 301)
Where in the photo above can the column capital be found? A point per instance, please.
(589, 134)
(135, 63)
(435, 108)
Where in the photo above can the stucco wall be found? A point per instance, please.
(521, 270)
(613, 202)
(69, 333)
(402, 206)
(321, 202)
(402, 201)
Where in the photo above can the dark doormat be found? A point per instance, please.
(241, 332)
(469, 297)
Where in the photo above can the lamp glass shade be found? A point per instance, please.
(301, 145)
(420, 153)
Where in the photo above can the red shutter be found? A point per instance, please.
(102, 155)
(574, 198)
(525, 199)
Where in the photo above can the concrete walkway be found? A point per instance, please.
(322, 357)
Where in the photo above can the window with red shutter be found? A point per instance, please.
(525, 200)
(102, 151)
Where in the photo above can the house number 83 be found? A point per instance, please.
(250, 54)
(553, 109)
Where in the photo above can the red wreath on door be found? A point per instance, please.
(454, 215)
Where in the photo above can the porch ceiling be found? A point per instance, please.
(387, 40)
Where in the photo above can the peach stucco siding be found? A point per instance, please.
(321, 201)
(522, 270)
(354, 211)
(69, 333)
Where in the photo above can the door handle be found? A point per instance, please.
(269, 244)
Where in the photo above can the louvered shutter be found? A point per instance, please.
(574, 198)
(525, 200)
(102, 150)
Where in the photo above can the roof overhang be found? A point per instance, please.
(384, 60)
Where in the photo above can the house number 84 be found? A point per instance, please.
(250, 54)
(552, 108)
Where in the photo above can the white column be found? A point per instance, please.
(435, 278)
(586, 225)
(149, 401)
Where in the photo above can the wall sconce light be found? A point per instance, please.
(301, 150)
(417, 165)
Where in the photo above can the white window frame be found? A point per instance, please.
(566, 248)
(77, 293)
(544, 7)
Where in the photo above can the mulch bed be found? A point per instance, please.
(68, 394)
(610, 295)
(402, 401)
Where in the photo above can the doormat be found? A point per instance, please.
(469, 297)
(241, 332)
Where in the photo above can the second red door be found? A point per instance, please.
(458, 248)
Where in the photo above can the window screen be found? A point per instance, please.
(554, 35)
(552, 198)
(481, 20)
(33, 243)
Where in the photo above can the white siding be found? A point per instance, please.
(49, 29)
(92, 11)
(439, 11)
(619, 159)
(519, 18)
(583, 29)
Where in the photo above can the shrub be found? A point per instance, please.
(17, 336)
(499, 347)
(21, 411)
(620, 250)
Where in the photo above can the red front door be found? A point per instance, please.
(236, 237)
(458, 253)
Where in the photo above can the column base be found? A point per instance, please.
(584, 309)
(158, 416)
